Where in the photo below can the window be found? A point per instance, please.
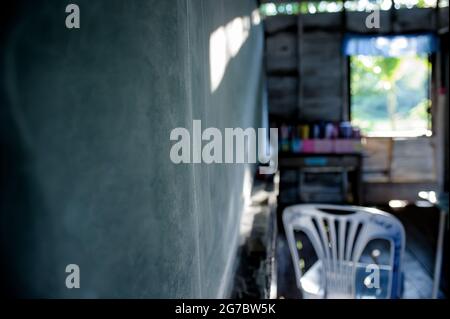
(390, 95)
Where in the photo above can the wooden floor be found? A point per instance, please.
(421, 233)
(418, 282)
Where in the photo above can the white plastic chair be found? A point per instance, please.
(339, 235)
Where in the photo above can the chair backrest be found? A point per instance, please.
(339, 235)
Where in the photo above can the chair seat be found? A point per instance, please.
(312, 286)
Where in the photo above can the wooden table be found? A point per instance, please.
(350, 162)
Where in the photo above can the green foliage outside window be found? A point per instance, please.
(390, 96)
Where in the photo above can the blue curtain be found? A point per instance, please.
(390, 45)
